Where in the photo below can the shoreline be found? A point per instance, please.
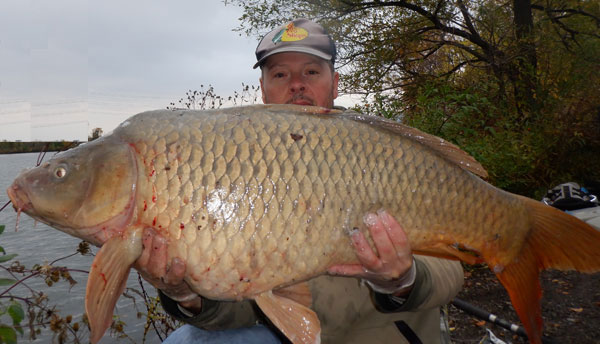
(36, 147)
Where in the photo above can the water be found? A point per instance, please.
(37, 243)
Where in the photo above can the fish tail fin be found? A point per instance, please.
(556, 240)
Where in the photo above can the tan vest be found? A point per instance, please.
(348, 314)
(346, 309)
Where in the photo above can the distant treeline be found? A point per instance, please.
(28, 147)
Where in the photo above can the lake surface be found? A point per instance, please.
(37, 243)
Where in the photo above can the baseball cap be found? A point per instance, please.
(300, 35)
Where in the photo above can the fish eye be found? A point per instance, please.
(60, 172)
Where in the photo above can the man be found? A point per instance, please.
(400, 298)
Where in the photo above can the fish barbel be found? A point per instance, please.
(259, 199)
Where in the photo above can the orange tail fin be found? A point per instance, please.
(556, 240)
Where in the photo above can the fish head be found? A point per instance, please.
(87, 192)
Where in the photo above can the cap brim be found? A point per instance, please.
(295, 49)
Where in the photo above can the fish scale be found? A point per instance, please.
(256, 199)
(270, 207)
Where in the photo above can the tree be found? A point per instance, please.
(508, 74)
(208, 99)
(387, 45)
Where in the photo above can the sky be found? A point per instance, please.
(68, 66)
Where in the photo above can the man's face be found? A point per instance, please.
(297, 78)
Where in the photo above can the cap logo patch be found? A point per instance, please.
(291, 33)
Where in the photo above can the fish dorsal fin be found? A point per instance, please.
(298, 323)
(107, 280)
(447, 149)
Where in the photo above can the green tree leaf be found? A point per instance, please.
(16, 313)
(6, 282)
(8, 334)
(7, 257)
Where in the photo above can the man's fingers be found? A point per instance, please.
(176, 272)
(347, 270)
(147, 237)
(154, 267)
(157, 264)
(393, 258)
(394, 231)
(379, 233)
(365, 254)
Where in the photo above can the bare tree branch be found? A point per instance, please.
(567, 10)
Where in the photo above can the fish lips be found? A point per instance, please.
(18, 198)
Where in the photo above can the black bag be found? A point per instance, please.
(570, 196)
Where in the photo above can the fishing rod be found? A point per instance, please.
(493, 318)
(4, 206)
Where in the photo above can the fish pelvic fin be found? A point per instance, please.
(299, 292)
(556, 240)
(107, 279)
(298, 323)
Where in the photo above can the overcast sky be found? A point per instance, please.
(67, 66)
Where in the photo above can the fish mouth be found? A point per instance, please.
(19, 198)
(20, 201)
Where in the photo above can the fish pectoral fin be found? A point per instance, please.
(442, 250)
(299, 292)
(297, 322)
(107, 280)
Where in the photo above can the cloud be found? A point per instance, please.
(114, 57)
(168, 45)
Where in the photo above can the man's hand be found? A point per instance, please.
(152, 265)
(392, 270)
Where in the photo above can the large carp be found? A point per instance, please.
(256, 199)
